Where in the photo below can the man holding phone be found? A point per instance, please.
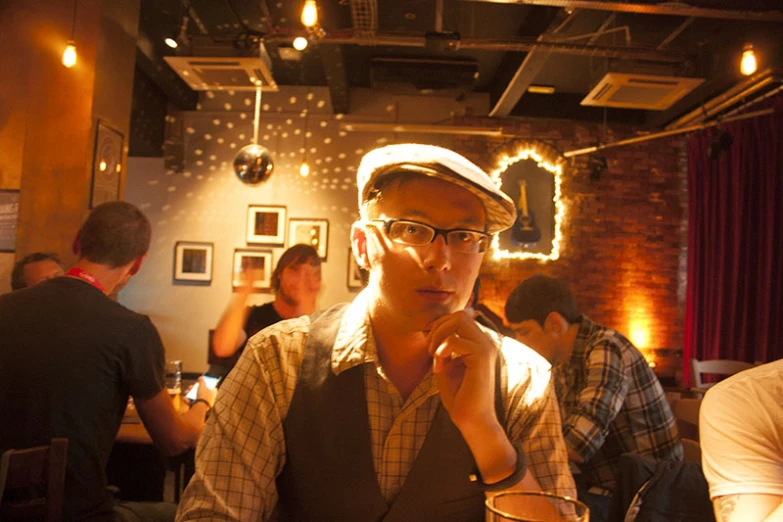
(70, 357)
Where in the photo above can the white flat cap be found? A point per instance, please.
(440, 163)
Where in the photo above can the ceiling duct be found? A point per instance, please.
(639, 91)
(424, 75)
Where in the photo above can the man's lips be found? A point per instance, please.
(434, 294)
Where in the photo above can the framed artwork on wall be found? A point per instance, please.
(254, 264)
(354, 273)
(313, 232)
(9, 215)
(106, 165)
(266, 224)
(193, 262)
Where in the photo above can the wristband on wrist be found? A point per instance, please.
(509, 481)
(209, 406)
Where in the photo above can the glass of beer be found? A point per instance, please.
(530, 506)
(174, 381)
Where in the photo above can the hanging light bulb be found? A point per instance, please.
(304, 169)
(171, 42)
(748, 64)
(69, 54)
(309, 13)
(300, 43)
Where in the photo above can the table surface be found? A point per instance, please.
(132, 430)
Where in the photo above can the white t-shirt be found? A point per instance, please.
(741, 431)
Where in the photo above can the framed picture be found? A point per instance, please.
(354, 273)
(255, 264)
(266, 224)
(9, 215)
(193, 262)
(106, 165)
(313, 232)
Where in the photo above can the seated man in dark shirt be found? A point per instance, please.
(34, 268)
(296, 282)
(70, 357)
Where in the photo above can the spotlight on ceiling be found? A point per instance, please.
(171, 42)
(300, 43)
(748, 63)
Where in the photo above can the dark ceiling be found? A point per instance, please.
(568, 45)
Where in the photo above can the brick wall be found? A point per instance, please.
(623, 234)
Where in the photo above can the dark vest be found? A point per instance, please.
(329, 472)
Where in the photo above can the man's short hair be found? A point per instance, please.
(538, 296)
(17, 274)
(114, 234)
(296, 255)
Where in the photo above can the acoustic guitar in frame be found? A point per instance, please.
(525, 229)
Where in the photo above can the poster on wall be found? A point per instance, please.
(193, 262)
(9, 215)
(252, 267)
(106, 165)
(313, 232)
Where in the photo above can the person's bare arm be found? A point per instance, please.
(172, 432)
(230, 331)
(748, 508)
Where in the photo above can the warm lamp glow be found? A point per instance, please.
(171, 42)
(748, 65)
(304, 169)
(300, 43)
(102, 166)
(69, 54)
(639, 335)
(309, 13)
(557, 172)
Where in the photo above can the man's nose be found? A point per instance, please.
(437, 256)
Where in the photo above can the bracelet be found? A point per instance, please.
(209, 406)
(509, 481)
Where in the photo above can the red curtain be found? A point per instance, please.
(734, 304)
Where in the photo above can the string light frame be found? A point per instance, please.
(552, 164)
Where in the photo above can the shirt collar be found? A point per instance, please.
(355, 343)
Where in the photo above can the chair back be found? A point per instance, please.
(32, 482)
(686, 412)
(691, 451)
(718, 367)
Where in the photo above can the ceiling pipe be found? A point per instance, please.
(515, 45)
(734, 95)
(663, 134)
(664, 8)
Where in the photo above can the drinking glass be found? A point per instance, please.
(530, 506)
(174, 380)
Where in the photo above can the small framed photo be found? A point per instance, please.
(106, 165)
(266, 224)
(193, 262)
(355, 280)
(9, 216)
(313, 232)
(255, 264)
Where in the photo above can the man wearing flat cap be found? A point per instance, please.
(397, 406)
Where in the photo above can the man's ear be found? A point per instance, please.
(359, 245)
(555, 323)
(137, 264)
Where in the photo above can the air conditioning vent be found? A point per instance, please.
(216, 73)
(640, 91)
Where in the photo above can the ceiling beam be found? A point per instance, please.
(664, 8)
(336, 76)
(526, 73)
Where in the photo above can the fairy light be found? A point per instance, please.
(557, 172)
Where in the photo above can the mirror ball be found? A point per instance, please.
(253, 164)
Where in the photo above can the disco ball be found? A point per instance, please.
(253, 164)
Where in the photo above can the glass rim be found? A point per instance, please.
(544, 494)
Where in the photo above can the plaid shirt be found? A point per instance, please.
(612, 403)
(242, 449)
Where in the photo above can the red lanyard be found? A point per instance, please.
(85, 276)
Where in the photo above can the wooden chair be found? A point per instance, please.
(691, 450)
(718, 367)
(686, 412)
(32, 482)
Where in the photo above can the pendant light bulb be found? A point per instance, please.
(69, 54)
(304, 169)
(309, 13)
(748, 64)
(171, 42)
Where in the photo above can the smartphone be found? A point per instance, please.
(210, 381)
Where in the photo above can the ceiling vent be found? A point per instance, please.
(223, 73)
(640, 91)
(424, 75)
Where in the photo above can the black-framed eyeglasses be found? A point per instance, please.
(413, 233)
